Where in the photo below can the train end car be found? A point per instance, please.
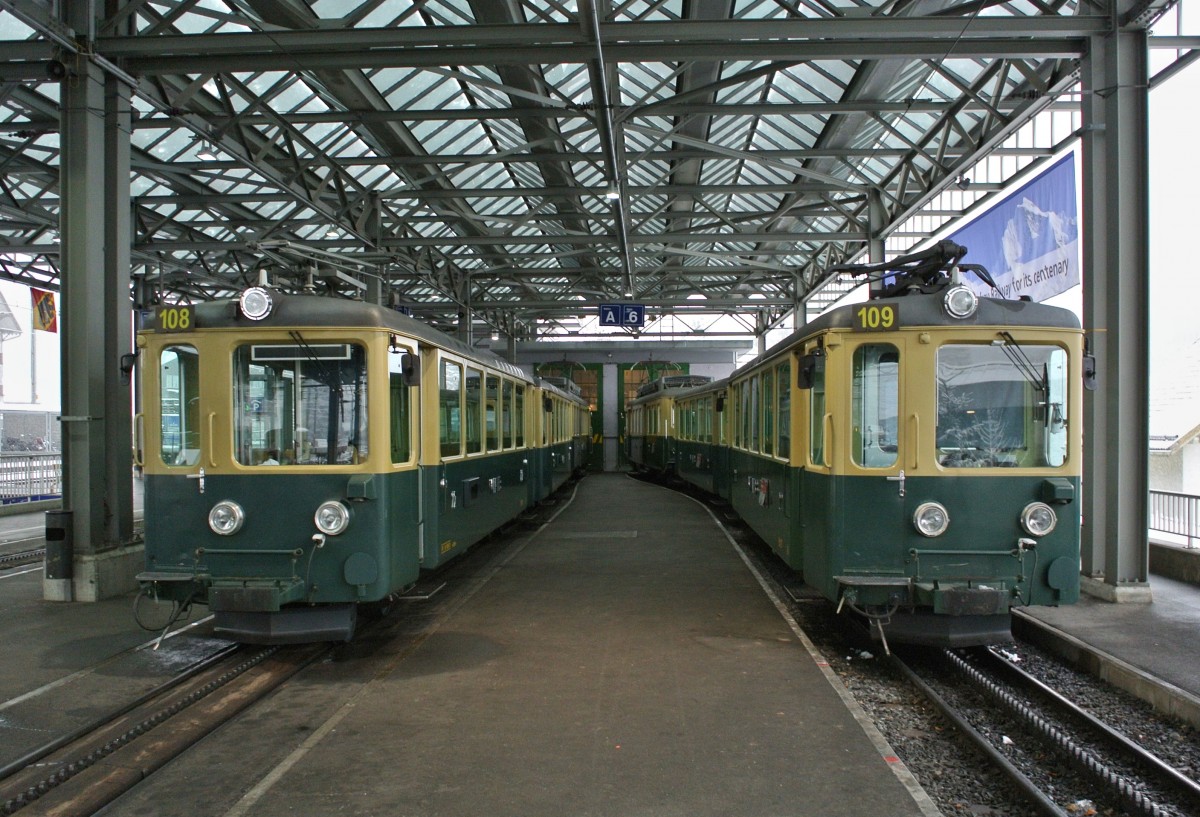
(650, 423)
(308, 457)
(917, 457)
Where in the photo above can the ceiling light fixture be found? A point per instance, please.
(205, 152)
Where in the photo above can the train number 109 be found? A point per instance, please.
(874, 318)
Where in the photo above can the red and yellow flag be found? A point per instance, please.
(45, 317)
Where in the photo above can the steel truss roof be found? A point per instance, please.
(525, 160)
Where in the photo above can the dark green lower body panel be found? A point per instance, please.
(276, 581)
(853, 539)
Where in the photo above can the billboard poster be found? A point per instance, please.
(1029, 242)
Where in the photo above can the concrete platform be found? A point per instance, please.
(1135, 645)
(623, 661)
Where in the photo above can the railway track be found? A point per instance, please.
(21, 558)
(1000, 707)
(79, 773)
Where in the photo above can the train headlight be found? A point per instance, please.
(1038, 519)
(226, 517)
(332, 518)
(960, 302)
(256, 303)
(931, 519)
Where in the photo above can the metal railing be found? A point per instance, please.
(30, 476)
(1176, 514)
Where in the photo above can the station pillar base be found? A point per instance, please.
(99, 576)
(1123, 593)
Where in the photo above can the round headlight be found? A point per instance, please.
(226, 517)
(931, 519)
(960, 302)
(256, 303)
(332, 518)
(1038, 519)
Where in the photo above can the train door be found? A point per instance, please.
(873, 488)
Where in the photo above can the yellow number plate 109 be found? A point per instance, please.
(876, 318)
(173, 319)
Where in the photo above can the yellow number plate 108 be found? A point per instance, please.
(173, 319)
(876, 318)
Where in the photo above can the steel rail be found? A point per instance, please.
(1080, 757)
(1113, 737)
(1028, 788)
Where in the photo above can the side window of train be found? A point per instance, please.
(768, 412)
(875, 405)
(450, 409)
(179, 405)
(401, 437)
(493, 413)
(784, 380)
(519, 416)
(506, 414)
(473, 416)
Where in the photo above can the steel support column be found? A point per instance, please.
(118, 316)
(82, 220)
(96, 330)
(1116, 314)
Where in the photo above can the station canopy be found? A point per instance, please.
(524, 161)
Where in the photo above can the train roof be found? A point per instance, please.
(549, 384)
(326, 311)
(673, 381)
(925, 311)
(669, 386)
(565, 383)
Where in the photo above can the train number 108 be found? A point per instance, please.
(174, 319)
(874, 318)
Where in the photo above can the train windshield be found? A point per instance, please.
(1002, 405)
(300, 404)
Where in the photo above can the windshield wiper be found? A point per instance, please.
(1023, 363)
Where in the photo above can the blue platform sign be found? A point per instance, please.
(622, 315)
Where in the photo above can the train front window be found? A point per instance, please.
(300, 403)
(875, 405)
(179, 405)
(1002, 406)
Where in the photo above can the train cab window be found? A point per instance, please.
(400, 414)
(875, 405)
(473, 412)
(1002, 406)
(493, 413)
(784, 379)
(300, 404)
(519, 415)
(179, 405)
(506, 414)
(450, 409)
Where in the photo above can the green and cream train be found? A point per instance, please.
(306, 456)
(916, 457)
